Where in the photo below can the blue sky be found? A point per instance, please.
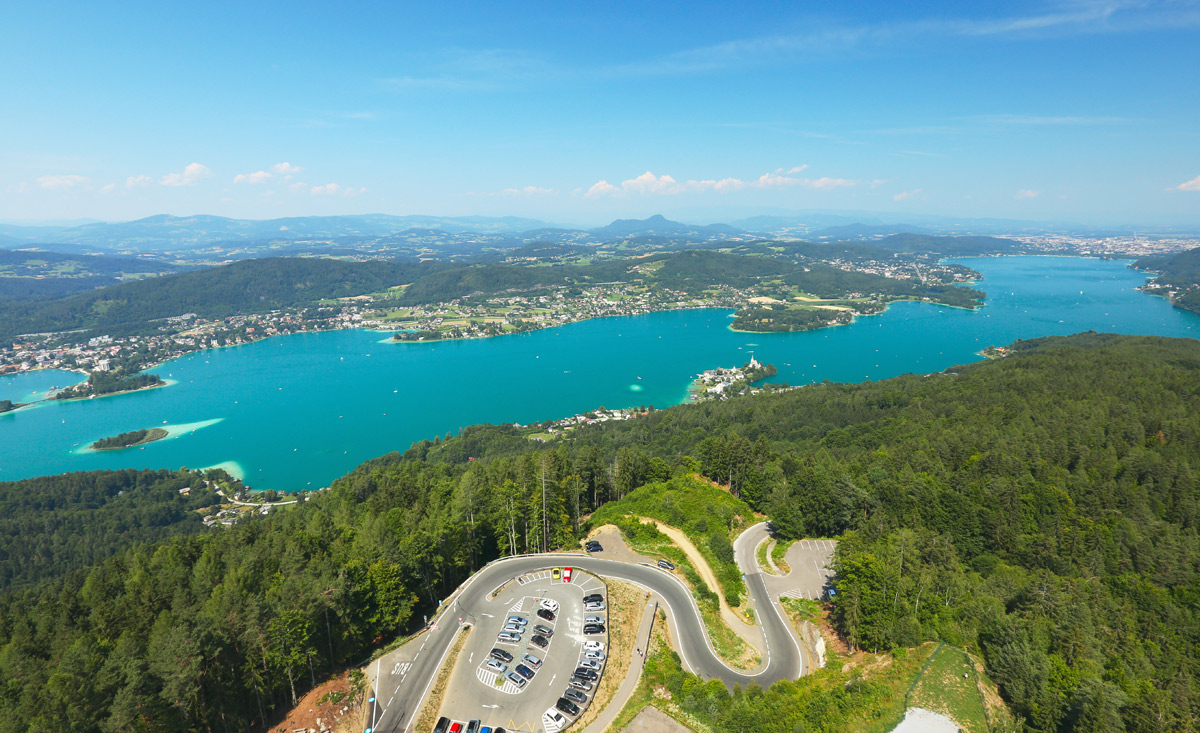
(581, 113)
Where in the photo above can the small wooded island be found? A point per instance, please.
(130, 439)
(9, 405)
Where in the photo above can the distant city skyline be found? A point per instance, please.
(1075, 111)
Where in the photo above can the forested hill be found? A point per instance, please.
(249, 286)
(37, 274)
(949, 246)
(1041, 509)
(1178, 273)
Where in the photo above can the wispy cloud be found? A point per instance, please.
(334, 189)
(191, 174)
(63, 182)
(1192, 185)
(648, 183)
(906, 195)
(1027, 193)
(1049, 120)
(138, 181)
(528, 191)
(253, 178)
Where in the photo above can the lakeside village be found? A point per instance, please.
(713, 385)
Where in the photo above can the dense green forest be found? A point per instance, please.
(256, 286)
(1179, 272)
(51, 525)
(110, 382)
(1041, 509)
(249, 286)
(37, 275)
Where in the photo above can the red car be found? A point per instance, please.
(566, 575)
(456, 728)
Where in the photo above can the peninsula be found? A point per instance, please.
(130, 440)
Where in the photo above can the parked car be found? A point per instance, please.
(514, 628)
(593, 546)
(580, 684)
(545, 615)
(589, 664)
(540, 641)
(593, 629)
(509, 637)
(485, 729)
(456, 728)
(594, 654)
(593, 620)
(588, 645)
(549, 604)
(557, 719)
(593, 597)
(594, 606)
(524, 671)
(567, 706)
(575, 696)
(499, 730)
(545, 631)
(566, 575)
(502, 655)
(516, 679)
(442, 726)
(666, 565)
(517, 620)
(585, 673)
(473, 726)
(497, 666)
(555, 574)
(532, 661)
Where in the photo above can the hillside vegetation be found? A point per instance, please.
(1177, 273)
(1040, 510)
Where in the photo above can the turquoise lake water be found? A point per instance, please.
(297, 411)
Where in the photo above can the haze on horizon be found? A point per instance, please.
(1075, 110)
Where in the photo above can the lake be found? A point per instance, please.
(295, 412)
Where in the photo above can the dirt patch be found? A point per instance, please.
(653, 720)
(614, 546)
(330, 706)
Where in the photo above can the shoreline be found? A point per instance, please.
(164, 383)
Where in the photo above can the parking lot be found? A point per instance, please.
(511, 690)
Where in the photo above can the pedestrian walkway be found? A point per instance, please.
(632, 677)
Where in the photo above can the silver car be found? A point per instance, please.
(593, 620)
(497, 666)
(509, 637)
(589, 663)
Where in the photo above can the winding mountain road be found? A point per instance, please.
(405, 676)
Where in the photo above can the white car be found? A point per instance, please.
(593, 645)
(598, 606)
(549, 604)
(589, 664)
(556, 718)
(594, 654)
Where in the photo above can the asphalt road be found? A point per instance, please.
(406, 676)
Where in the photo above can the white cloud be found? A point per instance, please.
(108, 188)
(190, 175)
(62, 183)
(286, 169)
(1027, 193)
(138, 181)
(793, 170)
(252, 178)
(334, 189)
(601, 188)
(905, 195)
(648, 183)
(1192, 185)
